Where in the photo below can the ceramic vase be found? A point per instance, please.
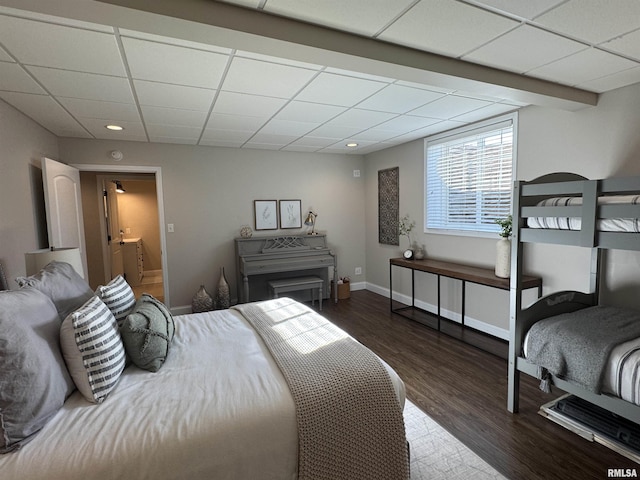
(222, 292)
(418, 252)
(503, 258)
(202, 301)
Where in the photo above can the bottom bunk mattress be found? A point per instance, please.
(219, 408)
(619, 371)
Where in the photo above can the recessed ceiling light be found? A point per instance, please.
(352, 144)
(114, 127)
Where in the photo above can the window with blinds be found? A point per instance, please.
(469, 177)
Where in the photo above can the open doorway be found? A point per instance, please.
(123, 231)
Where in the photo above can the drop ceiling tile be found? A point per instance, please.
(249, 105)
(522, 8)
(220, 143)
(361, 119)
(273, 139)
(173, 96)
(175, 131)
(173, 41)
(374, 135)
(308, 112)
(335, 131)
(245, 123)
(314, 142)
(292, 147)
(263, 146)
(365, 17)
(405, 123)
(264, 78)
(79, 107)
(341, 147)
(398, 99)
(351, 73)
(132, 130)
(338, 90)
(172, 64)
(611, 82)
(4, 56)
(593, 20)
(447, 27)
(449, 107)
(485, 112)
(287, 127)
(83, 85)
(628, 45)
(427, 131)
(173, 140)
(173, 116)
(14, 79)
(45, 111)
(583, 66)
(227, 135)
(505, 52)
(425, 87)
(271, 59)
(61, 47)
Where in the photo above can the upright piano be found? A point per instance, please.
(263, 258)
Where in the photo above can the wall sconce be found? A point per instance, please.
(119, 187)
(311, 222)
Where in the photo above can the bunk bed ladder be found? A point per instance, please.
(515, 303)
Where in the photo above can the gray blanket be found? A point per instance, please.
(350, 423)
(576, 346)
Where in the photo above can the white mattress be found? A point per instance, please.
(621, 377)
(575, 223)
(219, 409)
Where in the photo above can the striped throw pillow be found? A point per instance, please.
(93, 349)
(118, 296)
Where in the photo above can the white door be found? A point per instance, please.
(63, 205)
(114, 237)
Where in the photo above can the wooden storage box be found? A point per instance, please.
(344, 290)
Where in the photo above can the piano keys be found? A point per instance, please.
(263, 258)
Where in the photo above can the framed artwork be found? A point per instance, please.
(266, 214)
(388, 205)
(290, 214)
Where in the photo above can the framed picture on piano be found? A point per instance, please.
(290, 214)
(266, 214)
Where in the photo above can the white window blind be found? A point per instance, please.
(469, 174)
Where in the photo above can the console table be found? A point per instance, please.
(458, 271)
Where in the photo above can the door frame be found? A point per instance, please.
(157, 171)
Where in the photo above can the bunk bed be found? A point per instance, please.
(568, 209)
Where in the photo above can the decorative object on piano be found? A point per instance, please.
(266, 214)
(503, 248)
(344, 288)
(310, 221)
(246, 231)
(388, 206)
(290, 214)
(202, 301)
(222, 292)
(405, 225)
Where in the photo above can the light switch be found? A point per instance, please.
(170, 228)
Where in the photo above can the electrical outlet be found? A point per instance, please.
(356, 173)
(170, 228)
(358, 270)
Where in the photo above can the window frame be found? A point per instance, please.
(462, 132)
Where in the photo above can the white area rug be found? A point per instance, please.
(436, 454)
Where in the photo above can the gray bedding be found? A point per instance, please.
(576, 346)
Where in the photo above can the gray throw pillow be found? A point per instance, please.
(147, 333)
(62, 284)
(34, 381)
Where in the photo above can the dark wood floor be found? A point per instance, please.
(465, 390)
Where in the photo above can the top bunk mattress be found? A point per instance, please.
(575, 223)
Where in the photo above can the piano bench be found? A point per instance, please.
(296, 284)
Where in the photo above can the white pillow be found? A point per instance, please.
(93, 349)
(118, 296)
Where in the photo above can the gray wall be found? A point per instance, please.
(596, 142)
(209, 193)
